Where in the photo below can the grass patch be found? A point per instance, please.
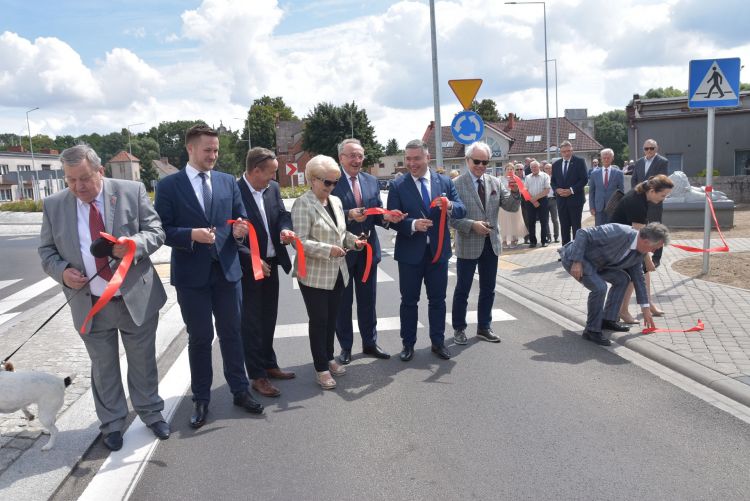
(22, 206)
(293, 191)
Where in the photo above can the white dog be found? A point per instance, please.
(20, 389)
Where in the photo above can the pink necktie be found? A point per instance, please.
(355, 190)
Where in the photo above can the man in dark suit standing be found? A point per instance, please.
(650, 165)
(194, 205)
(611, 253)
(569, 178)
(260, 298)
(359, 191)
(417, 244)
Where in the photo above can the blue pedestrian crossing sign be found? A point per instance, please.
(714, 83)
(467, 127)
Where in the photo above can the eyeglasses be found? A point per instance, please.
(328, 182)
(477, 162)
(354, 156)
(648, 148)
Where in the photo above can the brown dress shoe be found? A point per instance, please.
(279, 374)
(265, 388)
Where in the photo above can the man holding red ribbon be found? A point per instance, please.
(73, 219)
(359, 193)
(423, 244)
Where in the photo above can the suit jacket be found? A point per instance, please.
(469, 245)
(406, 196)
(278, 219)
(659, 165)
(603, 246)
(576, 178)
(128, 213)
(180, 212)
(598, 194)
(318, 232)
(370, 198)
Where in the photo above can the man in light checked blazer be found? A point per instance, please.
(477, 240)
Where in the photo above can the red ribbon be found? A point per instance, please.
(252, 237)
(301, 267)
(113, 285)
(379, 211)
(441, 230)
(521, 187)
(725, 247)
(368, 262)
(698, 327)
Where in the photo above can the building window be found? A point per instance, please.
(571, 136)
(5, 194)
(28, 193)
(46, 167)
(3, 169)
(742, 163)
(533, 139)
(24, 168)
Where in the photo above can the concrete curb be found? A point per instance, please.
(727, 386)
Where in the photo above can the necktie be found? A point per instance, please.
(96, 225)
(356, 191)
(606, 177)
(425, 193)
(565, 168)
(207, 197)
(481, 192)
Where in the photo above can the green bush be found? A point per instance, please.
(22, 206)
(703, 173)
(293, 191)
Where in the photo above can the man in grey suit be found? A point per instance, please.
(477, 240)
(603, 183)
(611, 253)
(72, 219)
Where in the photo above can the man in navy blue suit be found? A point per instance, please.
(359, 191)
(569, 178)
(417, 244)
(260, 298)
(194, 205)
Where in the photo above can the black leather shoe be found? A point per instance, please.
(113, 441)
(544, 244)
(407, 353)
(245, 400)
(345, 357)
(596, 337)
(376, 351)
(441, 351)
(531, 246)
(200, 412)
(161, 429)
(614, 326)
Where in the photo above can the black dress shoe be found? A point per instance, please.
(376, 351)
(531, 246)
(245, 400)
(614, 326)
(345, 357)
(544, 244)
(441, 351)
(407, 353)
(200, 411)
(113, 441)
(596, 337)
(161, 429)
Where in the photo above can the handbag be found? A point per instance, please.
(613, 202)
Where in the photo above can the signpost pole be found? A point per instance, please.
(709, 182)
(436, 91)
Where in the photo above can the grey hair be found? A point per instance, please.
(478, 145)
(319, 165)
(416, 143)
(655, 233)
(607, 151)
(535, 162)
(351, 140)
(566, 143)
(78, 153)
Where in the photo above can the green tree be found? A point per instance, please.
(391, 148)
(662, 92)
(611, 130)
(744, 86)
(63, 142)
(263, 115)
(147, 150)
(7, 140)
(327, 125)
(171, 139)
(487, 109)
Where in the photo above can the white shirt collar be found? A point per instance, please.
(192, 172)
(99, 201)
(253, 190)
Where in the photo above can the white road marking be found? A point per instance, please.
(26, 294)
(6, 283)
(7, 316)
(382, 277)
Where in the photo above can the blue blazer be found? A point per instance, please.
(278, 219)
(576, 177)
(598, 194)
(405, 196)
(180, 212)
(370, 198)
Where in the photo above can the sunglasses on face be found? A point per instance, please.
(477, 162)
(648, 148)
(328, 182)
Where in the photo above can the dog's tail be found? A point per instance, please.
(68, 381)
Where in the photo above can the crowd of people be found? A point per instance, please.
(229, 237)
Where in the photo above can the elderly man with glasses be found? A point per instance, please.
(477, 240)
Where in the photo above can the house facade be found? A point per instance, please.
(24, 176)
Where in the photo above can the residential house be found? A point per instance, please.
(27, 176)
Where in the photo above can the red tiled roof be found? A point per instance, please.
(124, 156)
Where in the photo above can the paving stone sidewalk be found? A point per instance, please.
(724, 345)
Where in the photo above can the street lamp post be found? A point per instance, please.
(31, 149)
(557, 111)
(436, 91)
(546, 78)
(130, 148)
(351, 118)
(249, 146)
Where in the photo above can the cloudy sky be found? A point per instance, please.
(101, 65)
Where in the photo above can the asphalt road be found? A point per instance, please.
(543, 415)
(20, 260)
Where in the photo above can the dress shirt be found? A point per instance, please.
(647, 166)
(98, 284)
(258, 197)
(197, 182)
(536, 183)
(428, 185)
(359, 182)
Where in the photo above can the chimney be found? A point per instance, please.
(511, 122)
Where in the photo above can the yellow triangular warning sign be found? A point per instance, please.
(465, 90)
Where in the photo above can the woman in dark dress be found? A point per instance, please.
(633, 210)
